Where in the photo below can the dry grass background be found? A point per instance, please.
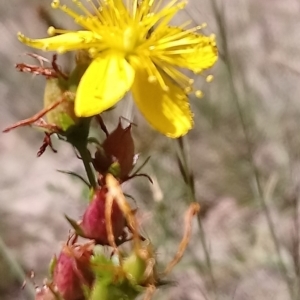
(245, 144)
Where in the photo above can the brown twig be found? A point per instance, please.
(193, 209)
(36, 117)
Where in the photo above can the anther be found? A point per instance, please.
(182, 5)
(152, 79)
(187, 90)
(92, 52)
(55, 4)
(209, 78)
(199, 94)
(51, 31)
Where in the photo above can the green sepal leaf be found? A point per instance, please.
(75, 226)
(65, 121)
(103, 267)
(115, 169)
(135, 267)
(52, 265)
(75, 175)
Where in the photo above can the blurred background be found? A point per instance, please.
(244, 153)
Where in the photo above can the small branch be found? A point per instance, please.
(191, 212)
(36, 117)
(189, 180)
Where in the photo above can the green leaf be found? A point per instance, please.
(75, 226)
(75, 175)
(52, 265)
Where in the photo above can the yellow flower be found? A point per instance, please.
(132, 46)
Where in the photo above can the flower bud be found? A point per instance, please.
(63, 115)
(72, 271)
(110, 282)
(93, 223)
(140, 265)
(135, 267)
(64, 87)
(117, 153)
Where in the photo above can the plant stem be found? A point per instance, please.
(192, 198)
(86, 159)
(250, 152)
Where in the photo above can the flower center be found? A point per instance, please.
(126, 42)
(130, 40)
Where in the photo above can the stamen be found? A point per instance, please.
(209, 78)
(93, 52)
(188, 90)
(154, 74)
(55, 4)
(181, 36)
(164, 16)
(182, 80)
(199, 94)
(142, 10)
(79, 19)
(53, 31)
(152, 79)
(156, 6)
(95, 9)
(134, 8)
(79, 4)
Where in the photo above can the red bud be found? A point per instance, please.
(72, 271)
(94, 223)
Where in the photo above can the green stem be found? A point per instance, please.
(192, 198)
(261, 196)
(86, 159)
(16, 269)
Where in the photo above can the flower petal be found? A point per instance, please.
(190, 50)
(203, 57)
(63, 42)
(104, 83)
(167, 111)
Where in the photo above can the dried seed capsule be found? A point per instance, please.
(117, 153)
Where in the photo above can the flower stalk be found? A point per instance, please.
(188, 178)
